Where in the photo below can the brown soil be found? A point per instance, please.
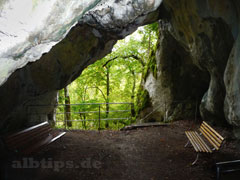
(153, 153)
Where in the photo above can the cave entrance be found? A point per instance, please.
(107, 93)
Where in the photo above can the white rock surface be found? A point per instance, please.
(29, 28)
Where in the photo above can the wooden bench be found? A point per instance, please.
(209, 142)
(31, 139)
(226, 167)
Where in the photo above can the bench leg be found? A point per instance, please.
(218, 173)
(196, 159)
(187, 143)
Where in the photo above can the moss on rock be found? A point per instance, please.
(143, 100)
(151, 66)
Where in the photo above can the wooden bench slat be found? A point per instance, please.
(219, 136)
(50, 139)
(212, 133)
(211, 136)
(208, 149)
(194, 141)
(201, 149)
(30, 139)
(209, 139)
(191, 140)
(57, 137)
(28, 129)
(23, 137)
(204, 149)
(201, 142)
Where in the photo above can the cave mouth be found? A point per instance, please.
(49, 57)
(105, 95)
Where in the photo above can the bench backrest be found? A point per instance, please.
(211, 135)
(22, 139)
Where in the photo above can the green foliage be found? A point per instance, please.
(151, 65)
(125, 65)
(143, 100)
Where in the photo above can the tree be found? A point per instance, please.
(67, 109)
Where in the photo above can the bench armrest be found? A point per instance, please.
(227, 163)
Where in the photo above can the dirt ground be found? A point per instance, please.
(153, 153)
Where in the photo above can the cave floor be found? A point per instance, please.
(153, 153)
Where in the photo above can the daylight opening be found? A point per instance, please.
(106, 95)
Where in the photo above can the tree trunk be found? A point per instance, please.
(108, 93)
(133, 94)
(67, 108)
(83, 118)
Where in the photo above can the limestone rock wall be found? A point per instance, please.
(206, 34)
(177, 85)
